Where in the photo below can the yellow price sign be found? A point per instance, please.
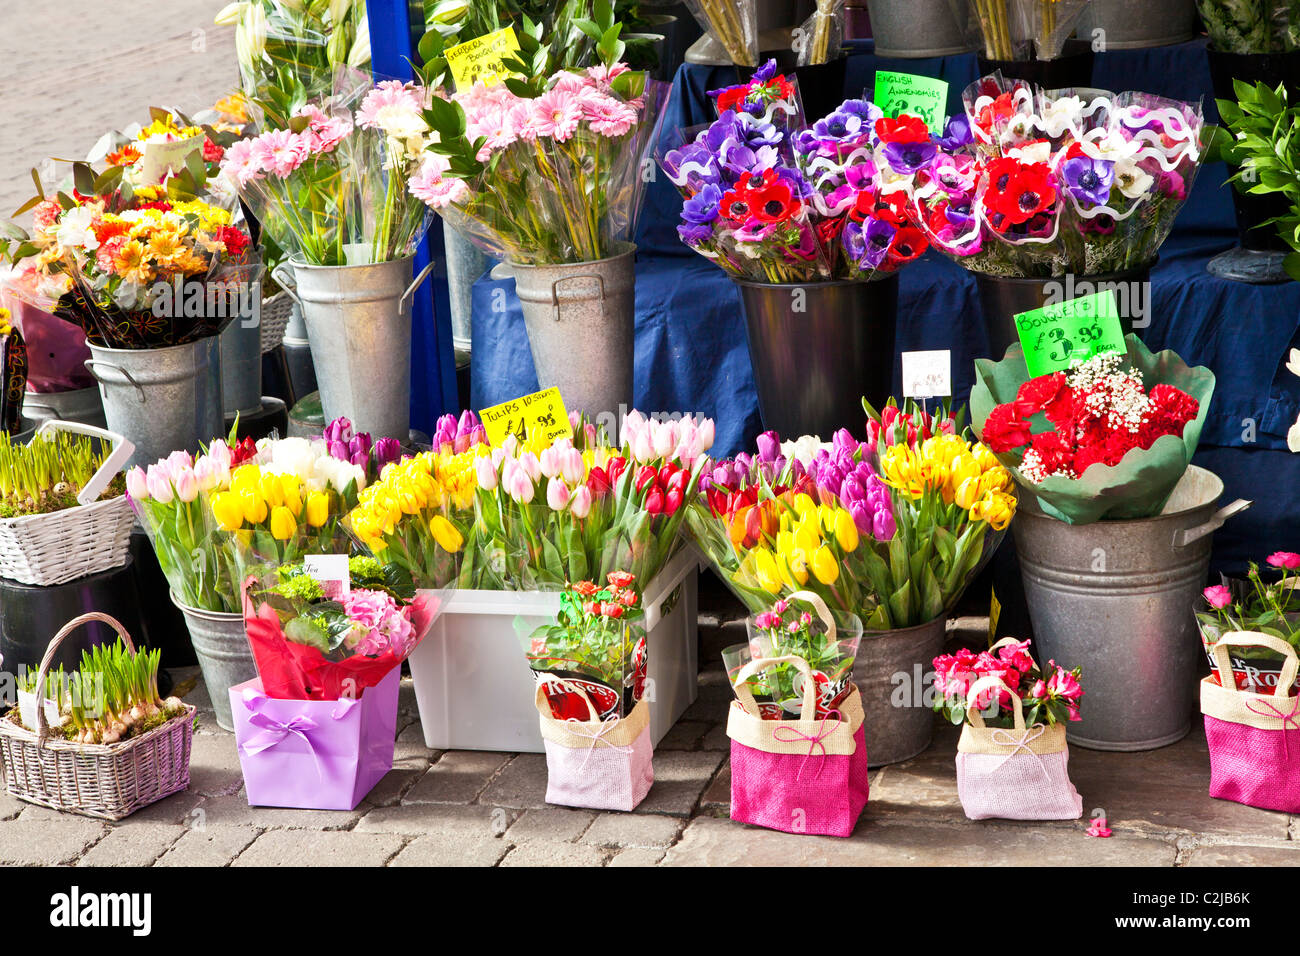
(541, 413)
(481, 59)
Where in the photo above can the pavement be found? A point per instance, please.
(467, 808)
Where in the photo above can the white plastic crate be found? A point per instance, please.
(475, 689)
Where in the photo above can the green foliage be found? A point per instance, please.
(1263, 142)
(1252, 26)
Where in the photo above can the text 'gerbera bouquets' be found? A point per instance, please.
(771, 200)
(322, 640)
(1110, 438)
(1032, 182)
(548, 169)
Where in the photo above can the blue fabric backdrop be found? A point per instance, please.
(691, 351)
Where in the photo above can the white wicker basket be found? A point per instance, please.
(275, 319)
(65, 545)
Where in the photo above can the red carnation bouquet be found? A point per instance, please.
(1109, 438)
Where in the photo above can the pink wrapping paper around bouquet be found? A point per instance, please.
(314, 754)
(56, 349)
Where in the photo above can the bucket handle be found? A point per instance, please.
(286, 281)
(555, 299)
(123, 448)
(415, 284)
(91, 363)
(1186, 536)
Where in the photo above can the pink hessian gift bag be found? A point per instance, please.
(601, 765)
(1254, 738)
(1018, 774)
(797, 776)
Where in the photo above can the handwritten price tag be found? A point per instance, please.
(922, 96)
(480, 59)
(1056, 335)
(540, 413)
(927, 374)
(331, 572)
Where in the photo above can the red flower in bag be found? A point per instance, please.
(1017, 191)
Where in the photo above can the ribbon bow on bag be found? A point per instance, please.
(1001, 736)
(1290, 719)
(273, 731)
(827, 726)
(595, 737)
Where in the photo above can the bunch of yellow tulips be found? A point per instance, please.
(419, 513)
(961, 473)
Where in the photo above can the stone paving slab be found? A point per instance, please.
(328, 848)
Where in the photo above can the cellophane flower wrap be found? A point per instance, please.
(213, 517)
(733, 24)
(596, 647)
(891, 529)
(322, 641)
(1110, 441)
(1018, 29)
(331, 184)
(137, 267)
(799, 626)
(1038, 183)
(537, 515)
(772, 200)
(549, 178)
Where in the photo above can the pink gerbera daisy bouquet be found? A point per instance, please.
(546, 169)
(332, 184)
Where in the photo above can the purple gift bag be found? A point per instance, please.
(797, 776)
(314, 754)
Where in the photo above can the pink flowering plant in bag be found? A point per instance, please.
(1012, 757)
(1258, 603)
(1254, 738)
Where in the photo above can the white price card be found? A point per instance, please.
(331, 572)
(927, 374)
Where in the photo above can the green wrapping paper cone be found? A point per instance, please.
(1142, 482)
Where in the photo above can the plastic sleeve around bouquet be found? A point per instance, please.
(56, 347)
(548, 201)
(998, 28)
(202, 566)
(13, 377)
(733, 24)
(1140, 485)
(819, 38)
(298, 661)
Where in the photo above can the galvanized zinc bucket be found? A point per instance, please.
(164, 400)
(1116, 598)
(82, 405)
(465, 263)
(916, 29)
(890, 671)
(582, 329)
(223, 652)
(817, 349)
(359, 327)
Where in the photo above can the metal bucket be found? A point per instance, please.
(1116, 598)
(465, 263)
(163, 399)
(241, 347)
(916, 29)
(1134, 26)
(582, 328)
(359, 328)
(817, 349)
(1002, 298)
(224, 655)
(890, 671)
(82, 405)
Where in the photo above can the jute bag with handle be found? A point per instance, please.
(797, 776)
(1254, 738)
(599, 764)
(1017, 774)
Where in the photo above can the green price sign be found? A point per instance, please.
(921, 96)
(1056, 335)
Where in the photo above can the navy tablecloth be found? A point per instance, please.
(691, 351)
